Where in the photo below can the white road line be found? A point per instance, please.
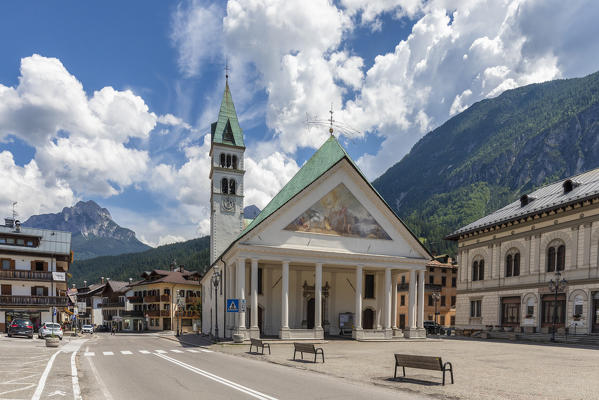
(105, 393)
(161, 351)
(176, 351)
(42, 382)
(144, 352)
(74, 378)
(126, 352)
(108, 353)
(216, 378)
(206, 351)
(192, 351)
(89, 354)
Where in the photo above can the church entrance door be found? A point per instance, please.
(367, 319)
(310, 316)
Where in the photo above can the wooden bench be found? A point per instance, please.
(259, 343)
(307, 348)
(422, 362)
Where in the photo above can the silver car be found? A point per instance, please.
(87, 329)
(48, 329)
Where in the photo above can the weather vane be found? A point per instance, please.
(227, 68)
(332, 124)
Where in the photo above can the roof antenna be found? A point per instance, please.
(331, 120)
(14, 211)
(227, 69)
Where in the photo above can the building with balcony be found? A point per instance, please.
(33, 267)
(508, 258)
(168, 299)
(440, 278)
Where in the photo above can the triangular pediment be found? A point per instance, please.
(339, 213)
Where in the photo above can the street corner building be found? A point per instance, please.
(322, 258)
(510, 258)
(33, 267)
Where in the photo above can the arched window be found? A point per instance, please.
(224, 186)
(234, 162)
(509, 265)
(232, 186)
(556, 257)
(517, 264)
(228, 160)
(512, 263)
(475, 271)
(481, 270)
(222, 160)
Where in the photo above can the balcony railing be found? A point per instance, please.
(192, 299)
(188, 313)
(135, 299)
(152, 299)
(165, 298)
(26, 275)
(114, 304)
(34, 300)
(132, 313)
(152, 313)
(165, 313)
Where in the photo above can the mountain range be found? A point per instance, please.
(94, 233)
(492, 153)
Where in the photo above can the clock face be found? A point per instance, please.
(228, 203)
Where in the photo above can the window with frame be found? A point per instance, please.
(6, 265)
(442, 301)
(403, 279)
(224, 186)
(402, 300)
(556, 257)
(475, 308)
(454, 282)
(478, 270)
(431, 279)
(223, 163)
(442, 320)
(369, 286)
(452, 319)
(39, 265)
(453, 301)
(430, 300)
(443, 281)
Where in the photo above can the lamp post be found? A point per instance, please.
(215, 282)
(556, 286)
(436, 297)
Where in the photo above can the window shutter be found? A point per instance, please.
(33, 290)
(45, 266)
(12, 264)
(32, 265)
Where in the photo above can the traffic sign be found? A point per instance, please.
(242, 305)
(232, 305)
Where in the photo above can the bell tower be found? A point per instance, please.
(226, 176)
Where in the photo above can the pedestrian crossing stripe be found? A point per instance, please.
(108, 353)
(176, 351)
(206, 351)
(192, 351)
(89, 354)
(144, 352)
(126, 352)
(160, 351)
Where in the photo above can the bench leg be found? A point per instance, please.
(315, 357)
(269, 349)
(404, 370)
(443, 376)
(262, 349)
(294, 354)
(395, 372)
(322, 353)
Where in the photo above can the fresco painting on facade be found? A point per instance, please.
(339, 213)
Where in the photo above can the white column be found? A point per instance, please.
(285, 296)
(387, 298)
(241, 291)
(412, 300)
(358, 313)
(394, 300)
(420, 299)
(254, 313)
(318, 297)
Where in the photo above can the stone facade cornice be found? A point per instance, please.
(525, 286)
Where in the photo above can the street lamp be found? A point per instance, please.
(215, 282)
(556, 286)
(436, 297)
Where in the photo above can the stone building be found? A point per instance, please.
(508, 257)
(440, 277)
(319, 258)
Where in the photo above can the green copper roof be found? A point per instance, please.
(328, 155)
(227, 130)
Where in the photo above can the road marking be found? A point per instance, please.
(176, 351)
(216, 378)
(206, 351)
(126, 352)
(105, 393)
(161, 351)
(144, 352)
(192, 351)
(42, 382)
(89, 354)
(108, 353)
(74, 378)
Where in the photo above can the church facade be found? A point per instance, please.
(322, 258)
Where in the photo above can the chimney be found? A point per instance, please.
(102, 280)
(74, 287)
(130, 281)
(84, 283)
(18, 226)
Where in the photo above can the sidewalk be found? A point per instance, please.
(482, 369)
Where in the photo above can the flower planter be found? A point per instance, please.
(237, 338)
(52, 342)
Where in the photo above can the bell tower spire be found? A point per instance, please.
(226, 174)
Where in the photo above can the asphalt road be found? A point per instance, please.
(149, 367)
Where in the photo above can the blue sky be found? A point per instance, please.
(112, 101)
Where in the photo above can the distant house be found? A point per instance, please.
(508, 258)
(33, 267)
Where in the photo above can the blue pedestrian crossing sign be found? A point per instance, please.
(232, 305)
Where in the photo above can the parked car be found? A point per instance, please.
(87, 329)
(101, 328)
(432, 328)
(48, 329)
(20, 327)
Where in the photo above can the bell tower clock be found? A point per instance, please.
(226, 174)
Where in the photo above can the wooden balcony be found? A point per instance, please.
(33, 300)
(114, 304)
(165, 313)
(25, 275)
(152, 313)
(135, 299)
(165, 298)
(188, 314)
(192, 299)
(152, 299)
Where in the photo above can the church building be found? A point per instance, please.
(322, 258)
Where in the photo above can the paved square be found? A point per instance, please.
(482, 369)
